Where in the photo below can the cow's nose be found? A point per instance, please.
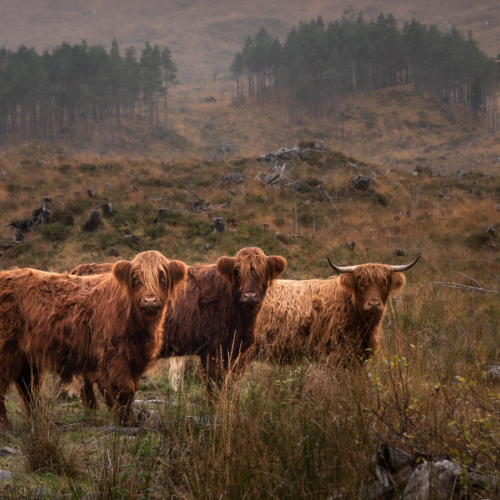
(151, 303)
(374, 304)
(251, 297)
(150, 300)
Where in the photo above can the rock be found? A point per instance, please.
(113, 251)
(218, 224)
(198, 205)
(161, 215)
(237, 178)
(399, 252)
(5, 475)
(437, 480)
(493, 372)
(5, 452)
(132, 238)
(94, 221)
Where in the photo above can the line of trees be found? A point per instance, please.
(318, 64)
(74, 92)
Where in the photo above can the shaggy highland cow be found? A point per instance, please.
(215, 312)
(340, 316)
(106, 328)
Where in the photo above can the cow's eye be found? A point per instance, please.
(162, 279)
(135, 281)
(236, 274)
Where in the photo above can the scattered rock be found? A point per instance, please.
(5, 452)
(132, 238)
(5, 475)
(493, 372)
(237, 178)
(94, 221)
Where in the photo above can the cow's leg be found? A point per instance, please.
(28, 384)
(87, 395)
(4, 421)
(123, 410)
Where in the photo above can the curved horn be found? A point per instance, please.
(402, 269)
(346, 269)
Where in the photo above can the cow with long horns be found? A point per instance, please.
(106, 328)
(338, 317)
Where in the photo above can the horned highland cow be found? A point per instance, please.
(106, 328)
(340, 317)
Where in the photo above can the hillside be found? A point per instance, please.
(204, 35)
(308, 428)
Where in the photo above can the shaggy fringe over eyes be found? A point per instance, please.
(252, 257)
(373, 274)
(145, 267)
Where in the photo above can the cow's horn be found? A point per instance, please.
(345, 269)
(402, 269)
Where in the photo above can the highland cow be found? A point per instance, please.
(339, 317)
(106, 328)
(215, 313)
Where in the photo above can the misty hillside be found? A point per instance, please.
(203, 35)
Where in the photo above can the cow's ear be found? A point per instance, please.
(225, 267)
(276, 265)
(177, 272)
(121, 271)
(398, 281)
(346, 281)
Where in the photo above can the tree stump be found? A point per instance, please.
(218, 224)
(90, 192)
(107, 185)
(107, 209)
(161, 215)
(94, 221)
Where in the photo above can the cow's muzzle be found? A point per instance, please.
(251, 298)
(150, 305)
(374, 305)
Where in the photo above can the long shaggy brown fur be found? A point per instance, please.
(322, 318)
(213, 317)
(105, 327)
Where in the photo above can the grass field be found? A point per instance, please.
(301, 431)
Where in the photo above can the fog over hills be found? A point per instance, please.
(204, 35)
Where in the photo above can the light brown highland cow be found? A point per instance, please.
(106, 327)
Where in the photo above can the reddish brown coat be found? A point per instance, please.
(105, 327)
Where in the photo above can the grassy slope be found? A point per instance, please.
(292, 431)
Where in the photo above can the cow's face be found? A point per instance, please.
(151, 281)
(370, 286)
(250, 273)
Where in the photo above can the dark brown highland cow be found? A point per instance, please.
(106, 328)
(215, 312)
